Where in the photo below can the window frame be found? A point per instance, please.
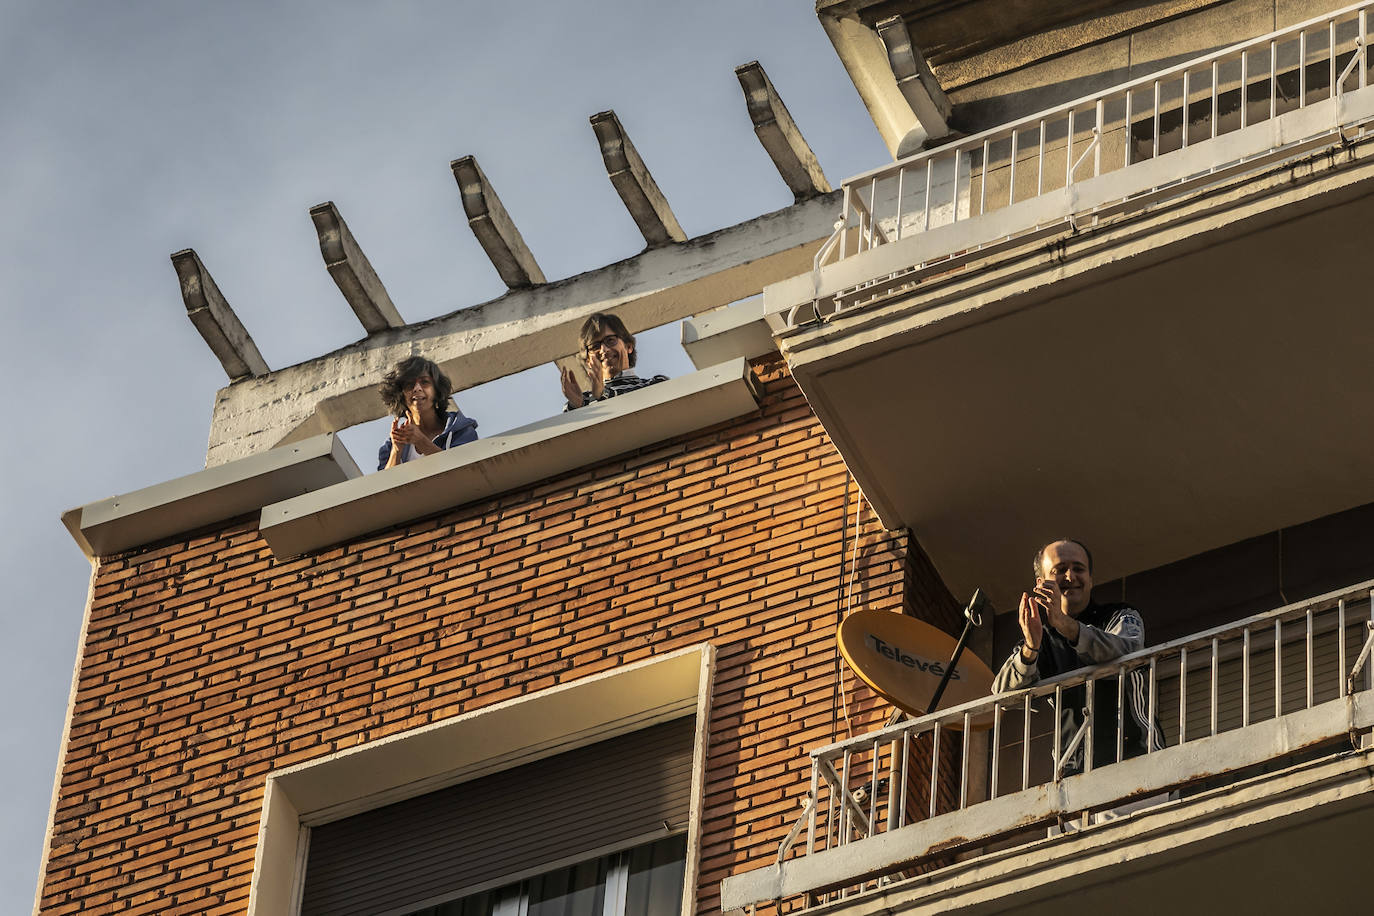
(518, 731)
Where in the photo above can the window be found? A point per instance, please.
(565, 831)
(490, 772)
(644, 881)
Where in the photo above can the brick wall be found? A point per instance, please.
(208, 663)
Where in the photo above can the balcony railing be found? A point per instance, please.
(1164, 136)
(902, 799)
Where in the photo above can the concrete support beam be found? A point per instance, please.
(634, 184)
(915, 80)
(865, 59)
(215, 320)
(352, 271)
(494, 228)
(522, 329)
(779, 134)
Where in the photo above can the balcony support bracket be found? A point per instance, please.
(917, 82)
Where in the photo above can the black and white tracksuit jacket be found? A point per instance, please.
(1105, 632)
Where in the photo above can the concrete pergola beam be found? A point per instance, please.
(494, 228)
(634, 184)
(918, 84)
(215, 319)
(521, 329)
(778, 133)
(352, 272)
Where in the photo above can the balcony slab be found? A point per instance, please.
(1294, 840)
(1159, 385)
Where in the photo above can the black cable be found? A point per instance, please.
(839, 616)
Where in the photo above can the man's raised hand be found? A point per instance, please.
(1055, 615)
(594, 373)
(1032, 629)
(572, 391)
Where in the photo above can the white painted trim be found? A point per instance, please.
(276, 884)
(212, 495)
(692, 870)
(513, 459)
(471, 745)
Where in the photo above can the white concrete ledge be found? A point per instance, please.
(215, 494)
(513, 459)
(735, 331)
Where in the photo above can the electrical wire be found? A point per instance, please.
(848, 591)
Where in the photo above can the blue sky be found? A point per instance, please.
(133, 129)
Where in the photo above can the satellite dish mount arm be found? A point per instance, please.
(973, 616)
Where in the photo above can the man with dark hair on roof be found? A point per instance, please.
(416, 393)
(1062, 629)
(608, 348)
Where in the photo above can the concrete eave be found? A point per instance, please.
(513, 459)
(738, 330)
(239, 487)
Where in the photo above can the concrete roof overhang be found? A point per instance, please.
(954, 30)
(1175, 382)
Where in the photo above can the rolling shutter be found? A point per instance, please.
(437, 846)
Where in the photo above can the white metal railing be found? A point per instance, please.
(1222, 686)
(1040, 173)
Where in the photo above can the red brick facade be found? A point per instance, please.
(208, 663)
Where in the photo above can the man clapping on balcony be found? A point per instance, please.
(1062, 629)
(608, 348)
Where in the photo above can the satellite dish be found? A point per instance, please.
(903, 660)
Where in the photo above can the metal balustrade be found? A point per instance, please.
(1160, 137)
(1224, 699)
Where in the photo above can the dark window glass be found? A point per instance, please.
(644, 881)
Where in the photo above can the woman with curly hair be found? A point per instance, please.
(416, 393)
